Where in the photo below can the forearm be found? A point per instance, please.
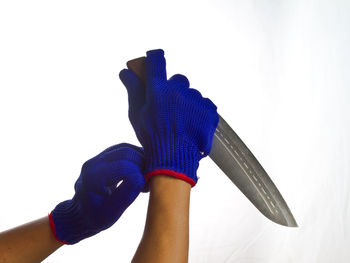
(166, 237)
(29, 243)
(175, 126)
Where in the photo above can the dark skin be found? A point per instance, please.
(166, 234)
(29, 243)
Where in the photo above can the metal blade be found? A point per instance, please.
(239, 164)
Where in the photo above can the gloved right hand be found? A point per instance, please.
(173, 122)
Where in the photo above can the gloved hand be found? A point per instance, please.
(98, 201)
(173, 122)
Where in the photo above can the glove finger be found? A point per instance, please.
(102, 173)
(105, 180)
(124, 160)
(195, 96)
(122, 145)
(155, 70)
(115, 147)
(128, 190)
(111, 148)
(179, 80)
(125, 152)
(115, 162)
(211, 106)
(94, 179)
(135, 88)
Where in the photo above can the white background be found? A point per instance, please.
(278, 71)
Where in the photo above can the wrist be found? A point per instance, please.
(171, 197)
(165, 185)
(67, 224)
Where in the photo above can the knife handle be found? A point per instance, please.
(138, 66)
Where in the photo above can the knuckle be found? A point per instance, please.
(210, 104)
(192, 96)
(135, 179)
(180, 80)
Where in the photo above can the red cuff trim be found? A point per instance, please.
(52, 225)
(170, 173)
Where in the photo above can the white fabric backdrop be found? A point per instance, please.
(278, 71)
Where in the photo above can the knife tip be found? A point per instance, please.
(290, 222)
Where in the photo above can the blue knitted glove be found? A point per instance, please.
(173, 122)
(98, 201)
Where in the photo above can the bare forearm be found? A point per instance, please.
(165, 238)
(29, 243)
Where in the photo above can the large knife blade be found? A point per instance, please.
(239, 164)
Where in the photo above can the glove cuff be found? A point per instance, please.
(181, 176)
(66, 223)
(173, 157)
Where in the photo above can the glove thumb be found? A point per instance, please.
(135, 88)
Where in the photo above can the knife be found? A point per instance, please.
(234, 158)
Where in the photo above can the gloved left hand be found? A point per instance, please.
(99, 200)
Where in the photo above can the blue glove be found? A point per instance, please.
(173, 122)
(98, 201)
